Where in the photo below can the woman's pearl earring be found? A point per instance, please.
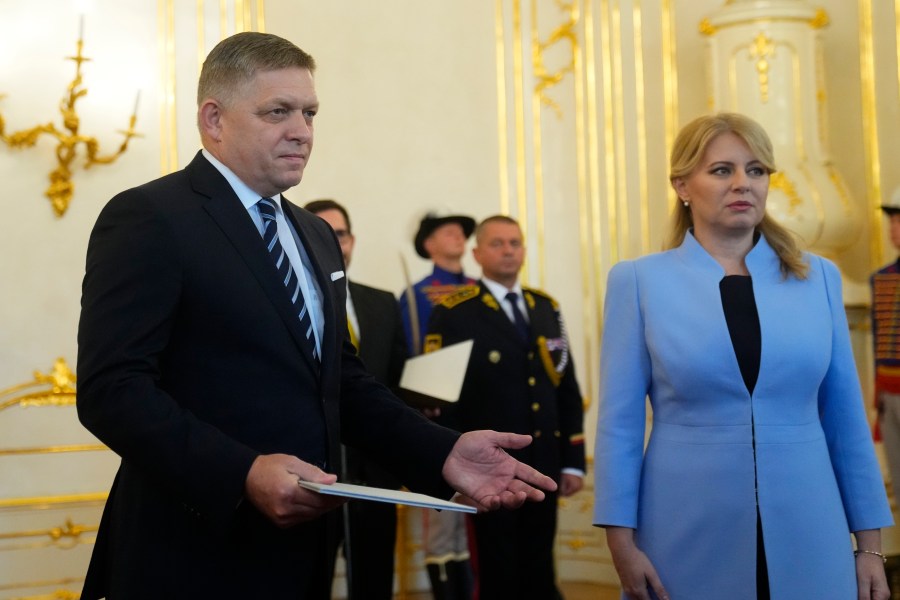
(686, 203)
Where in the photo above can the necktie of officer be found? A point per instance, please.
(354, 339)
(518, 318)
(286, 271)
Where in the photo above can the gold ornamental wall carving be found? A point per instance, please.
(68, 138)
(54, 388)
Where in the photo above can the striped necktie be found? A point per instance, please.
(286, 271)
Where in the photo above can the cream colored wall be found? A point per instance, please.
(50, 498)
(43, 256)
(407, 122)
(417, 114)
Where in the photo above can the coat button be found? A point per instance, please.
(556, 433)
(535, 406)
(537, 433)
(531, 381)
(530, 355)
(494, 356)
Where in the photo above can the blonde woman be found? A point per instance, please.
(759, 463)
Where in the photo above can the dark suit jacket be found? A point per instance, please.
(383, 352)
(382, 346)
(525, 387)
(190, 366)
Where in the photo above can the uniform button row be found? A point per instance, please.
(537, 433)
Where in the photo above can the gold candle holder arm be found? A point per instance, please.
(61, 187)
(93, 148)
(27, 137)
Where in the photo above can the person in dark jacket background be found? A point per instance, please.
(520, 378)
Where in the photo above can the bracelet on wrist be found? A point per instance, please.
(873, 552)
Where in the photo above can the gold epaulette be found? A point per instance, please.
(542, 294)
(458, 297)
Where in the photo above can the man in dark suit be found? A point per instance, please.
(520, 378)
(214, 359)
(376, 331)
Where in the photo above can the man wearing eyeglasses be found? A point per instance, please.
(373, 318)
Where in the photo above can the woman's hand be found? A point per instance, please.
(871, 582)
(635, 571)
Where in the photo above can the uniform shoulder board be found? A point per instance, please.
(464, 293)
(544, 295)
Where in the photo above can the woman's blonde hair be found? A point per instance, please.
(687, 152)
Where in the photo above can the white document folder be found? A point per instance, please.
(362, 492)
(436, 378)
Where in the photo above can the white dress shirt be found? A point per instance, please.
(499, 291)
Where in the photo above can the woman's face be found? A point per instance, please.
(726, 191)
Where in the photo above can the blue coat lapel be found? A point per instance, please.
(704, 275)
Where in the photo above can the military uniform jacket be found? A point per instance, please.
(511, 385)
(429, 292)
(886, 329)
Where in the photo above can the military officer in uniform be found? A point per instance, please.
(520, 378)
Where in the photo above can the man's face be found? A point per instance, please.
(894, 229)
(337, 221)
(447, 241)
(500, 251)
(266, 135)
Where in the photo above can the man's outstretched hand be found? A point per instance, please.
(488, 477)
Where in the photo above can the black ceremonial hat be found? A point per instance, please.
(432, 221)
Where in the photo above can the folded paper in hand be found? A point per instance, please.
(436, 378)
(362, 492)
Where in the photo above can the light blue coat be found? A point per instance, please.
(690, 496)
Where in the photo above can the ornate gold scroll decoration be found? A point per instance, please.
(838, 183)
(761, 50)
(66, 536)
(818, 21)
(565, 32)
(780, 181)
(61, 187)
(58, 388)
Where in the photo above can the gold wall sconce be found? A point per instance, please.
(61, 187)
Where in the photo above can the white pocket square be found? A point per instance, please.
(337, 275)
